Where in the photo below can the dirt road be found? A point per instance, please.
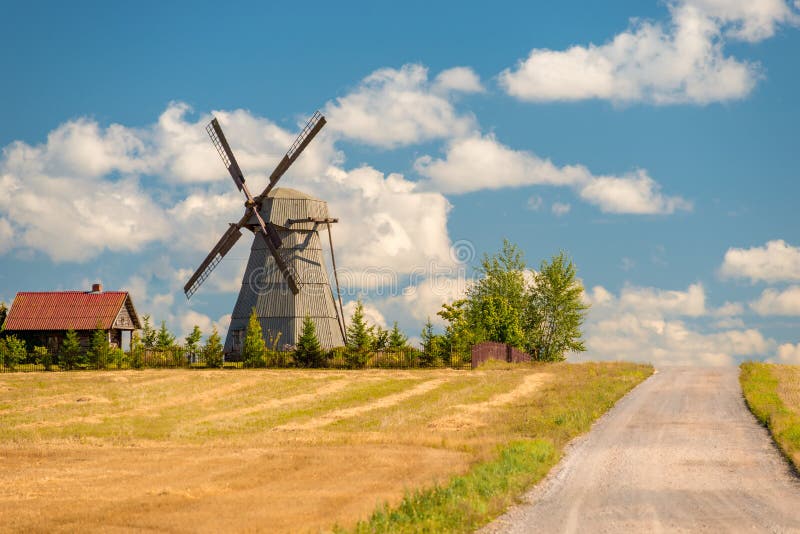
(680, 453)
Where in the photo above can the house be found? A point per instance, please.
(43, 317)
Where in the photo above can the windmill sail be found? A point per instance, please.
(229, 238)
(224, 149)
(310, 130)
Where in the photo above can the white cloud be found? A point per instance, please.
(535, 203)
(481, 162)
(773, 302)
(653, 301)
(560, 209)
(204, 216)
(776, 261)
(459, 79)
(644, 324)
(74, 218)
(76, 213)
(637, 194)
(748, 20)
(396, 107)
(729, 309)
(788, 354)
(385, 222)
(683, 61)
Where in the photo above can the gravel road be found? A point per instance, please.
(680, 453)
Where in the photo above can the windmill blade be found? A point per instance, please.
(229, 238)
(311, 129)
(224, 149)
(273, 241)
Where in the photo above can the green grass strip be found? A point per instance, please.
(471, 500)
(760, 389)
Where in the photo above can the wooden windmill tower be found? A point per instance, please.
(286, 279)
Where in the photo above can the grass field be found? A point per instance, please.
(773, 394)
(280, 450)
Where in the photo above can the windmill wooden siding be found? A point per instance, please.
(44, 317)
(264, 287)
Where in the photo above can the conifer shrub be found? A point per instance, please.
(308, 352)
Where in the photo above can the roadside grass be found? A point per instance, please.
(772, 393)
(532, 435)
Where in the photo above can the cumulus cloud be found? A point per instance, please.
(682, 61)
(481, 162)
(396, 107)
(646, 324)
(774, 302)
(560, 209)
(788, 354)
(748, 20)
(80, 193)
(638, 194)
(534, 203)
(776, 261)
(458, 79)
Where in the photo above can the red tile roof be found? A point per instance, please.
(62, 310)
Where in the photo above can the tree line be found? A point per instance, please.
(538, 311)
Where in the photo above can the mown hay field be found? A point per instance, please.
(271, 450)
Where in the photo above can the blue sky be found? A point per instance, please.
(655, 142)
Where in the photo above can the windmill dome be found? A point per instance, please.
(287, 208)
(288, 192)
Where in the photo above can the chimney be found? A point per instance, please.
(97, 288)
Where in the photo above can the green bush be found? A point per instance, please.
(13, 351)
(212, 350)
(43, 357)
(136, 359)
(356, 358)
(118, 358)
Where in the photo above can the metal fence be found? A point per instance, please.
(179, 357)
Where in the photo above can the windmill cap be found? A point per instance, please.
(287, 192)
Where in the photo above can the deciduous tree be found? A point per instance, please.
(556, 310)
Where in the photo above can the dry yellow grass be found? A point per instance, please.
(271, 450)
(789, 385)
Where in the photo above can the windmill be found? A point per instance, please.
(286, 278)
